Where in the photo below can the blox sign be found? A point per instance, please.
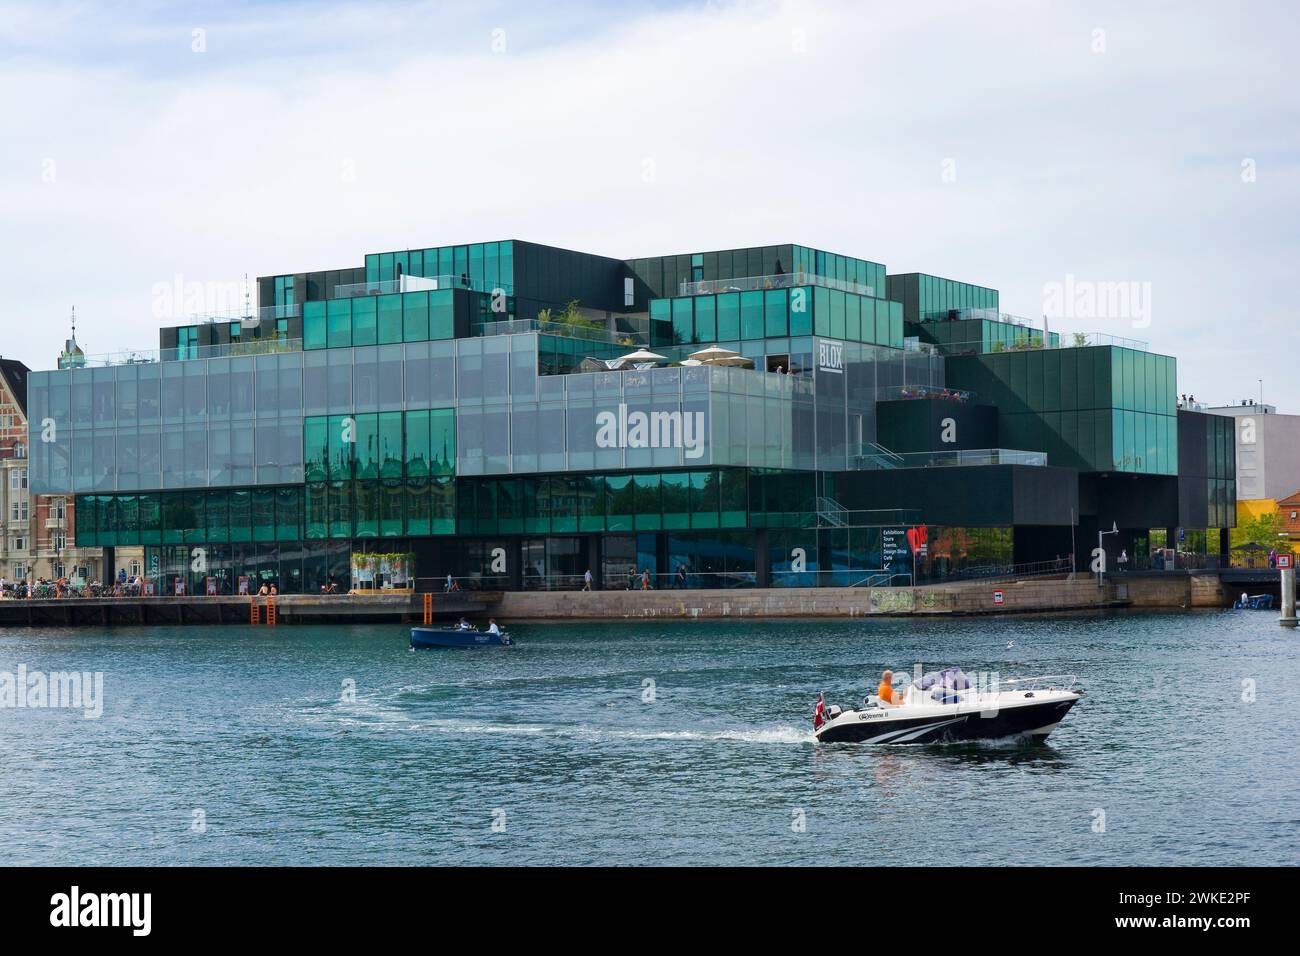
(675, 429)
(830, 356)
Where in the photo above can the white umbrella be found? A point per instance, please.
(692, 362)
(714, 353)
(642, 355)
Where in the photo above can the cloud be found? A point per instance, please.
(305, 136)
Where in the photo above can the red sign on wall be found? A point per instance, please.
(997, 597)
(1284, 560)
(917, 538)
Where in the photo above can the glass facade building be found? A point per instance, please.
(467, 406)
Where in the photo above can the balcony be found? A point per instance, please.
(876, 458)
(410, 283)
(786, 280)
(188, 353)
(244, 317)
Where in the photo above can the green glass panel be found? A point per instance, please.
(676, 492)
(392, 507)
(363, 320)
(751, 315)
(339, 323)
(241, 515)
(417, 453)
(150, 519)
(591, 503)
(367, 446)
(315, 510)
(706, 319)
(801, 305)
(822, 311)
(837, 314)
(288, 513)
(776, 319)
(729, 317)
(263, 514)
(342, 447)
(315, 448)
(732, 497)
(415, 316)
(442, 441)
(217, 516)
(683, 322)
(390, 445)
(620, 502)
(442, 493)
(419, 517)
(390, 318)
(366, 503)
(649, 509)
(442, 314)
(314, 327)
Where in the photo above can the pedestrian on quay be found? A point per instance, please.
(586, 580)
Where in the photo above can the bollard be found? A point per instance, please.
(1288, 618)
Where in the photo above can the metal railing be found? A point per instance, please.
(1036, 341)
(189, 353)
(994, 573)
(832, 512)
(245, 316)
(786, 280)
(414, 283)
(984, 315)
(810, 518)
(565, 329)
(940, 392)
(882, 459)
(882, 456)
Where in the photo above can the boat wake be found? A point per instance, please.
(373, 714)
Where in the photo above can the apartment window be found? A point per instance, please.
(6, 421)
(20, 571)
(60, 540)
(17, 479)
(19, 542)
(59, 508)
(134, 568)
(18, 510)
(58, 569)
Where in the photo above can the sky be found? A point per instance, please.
(1127, 169)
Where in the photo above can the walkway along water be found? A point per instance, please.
(1032, 595)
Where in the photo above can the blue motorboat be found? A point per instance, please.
(1254, 602)
(426, 637)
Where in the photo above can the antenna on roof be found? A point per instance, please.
(248, 309)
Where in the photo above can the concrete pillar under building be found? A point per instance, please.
(1288, 618)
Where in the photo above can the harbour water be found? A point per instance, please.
(648, 743)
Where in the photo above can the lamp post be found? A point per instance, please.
(1101, 549)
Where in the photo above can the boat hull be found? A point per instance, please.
(1031, 720)
(431, 637)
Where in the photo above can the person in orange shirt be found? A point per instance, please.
(886, 690)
